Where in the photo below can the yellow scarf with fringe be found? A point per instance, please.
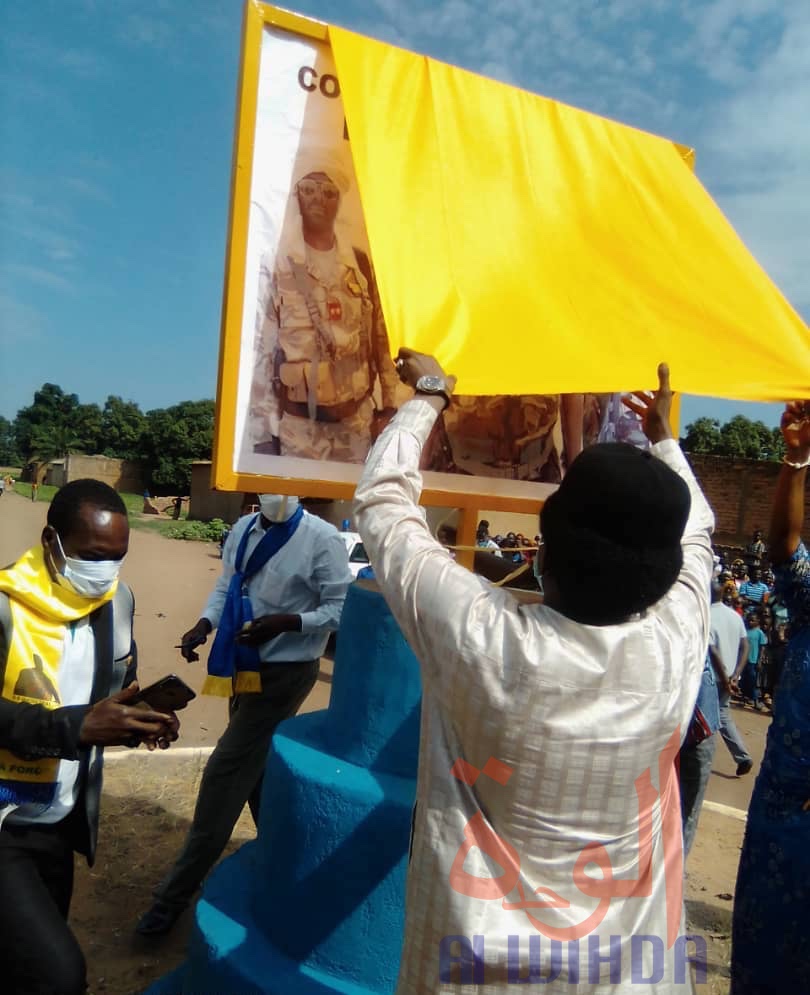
(40, 610)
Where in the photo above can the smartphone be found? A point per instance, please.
(169, 694)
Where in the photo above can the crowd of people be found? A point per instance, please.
(748, 587)
(514, 546)
(579, 710)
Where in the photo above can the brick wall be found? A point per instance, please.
(741, 493)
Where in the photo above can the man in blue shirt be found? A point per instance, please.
(754, 591)
(296, 598)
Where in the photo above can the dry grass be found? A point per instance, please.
(147, 807)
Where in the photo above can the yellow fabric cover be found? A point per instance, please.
(40, 610)
(536, 248)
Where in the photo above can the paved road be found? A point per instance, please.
(171, 580)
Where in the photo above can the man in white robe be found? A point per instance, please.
(547, 836)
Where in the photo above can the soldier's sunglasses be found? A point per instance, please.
(327, 189)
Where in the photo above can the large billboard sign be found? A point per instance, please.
(307, 378)
(588, 286)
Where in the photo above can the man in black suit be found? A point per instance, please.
(67, 679)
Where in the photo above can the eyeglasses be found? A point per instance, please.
(326, 188)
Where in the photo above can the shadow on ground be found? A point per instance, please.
(146, 811)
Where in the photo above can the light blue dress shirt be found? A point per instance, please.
(309, 576)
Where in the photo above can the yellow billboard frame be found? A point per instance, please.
(469, 494)
(224, 477)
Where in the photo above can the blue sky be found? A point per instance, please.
(116, 127)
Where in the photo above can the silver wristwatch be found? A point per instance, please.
(435, 386)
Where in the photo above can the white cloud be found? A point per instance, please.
(145, 31)
(83, 63)
(18, 322)
(39, 275)
(87, 189)
(38, 229)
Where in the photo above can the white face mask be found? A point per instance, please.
(278, 507)
(88, 578)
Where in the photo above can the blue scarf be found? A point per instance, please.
(232, 668)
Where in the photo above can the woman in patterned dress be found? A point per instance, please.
(770, 951)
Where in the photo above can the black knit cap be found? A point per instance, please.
(625, 495)
(612, 532)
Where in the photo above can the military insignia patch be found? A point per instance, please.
(353, 284)
(335, 309)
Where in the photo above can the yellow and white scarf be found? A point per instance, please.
(40, 610)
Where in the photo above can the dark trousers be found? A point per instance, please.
(234, 772)
(749, 681)
(39, 954)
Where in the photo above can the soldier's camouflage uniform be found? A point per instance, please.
(506, 435)
(317, 394)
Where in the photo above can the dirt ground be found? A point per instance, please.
(149, 798)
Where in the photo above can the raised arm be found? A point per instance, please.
(436, 602)
(788, 503)
(689, 596)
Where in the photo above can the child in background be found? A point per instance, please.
(757, 641)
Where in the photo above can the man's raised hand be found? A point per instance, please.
(795, 428)
(411, 365)
(653, 407)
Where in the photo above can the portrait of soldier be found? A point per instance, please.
(323, 374)
(522, 437)
(526, 436)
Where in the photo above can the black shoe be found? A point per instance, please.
(159, 919)
(744, 766)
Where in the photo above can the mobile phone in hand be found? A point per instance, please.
(169, 694)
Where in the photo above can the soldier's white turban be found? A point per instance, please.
(324, 160)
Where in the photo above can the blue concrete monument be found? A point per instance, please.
(315, 904)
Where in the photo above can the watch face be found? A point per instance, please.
(430, 383)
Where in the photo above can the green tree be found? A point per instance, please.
(777, 445)
(702, 436)
(174, 438)
(57, 424)
(8, 443)
(741, 438)
(86, 427)
(738, 438)
(123, 426)
(45, 428)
